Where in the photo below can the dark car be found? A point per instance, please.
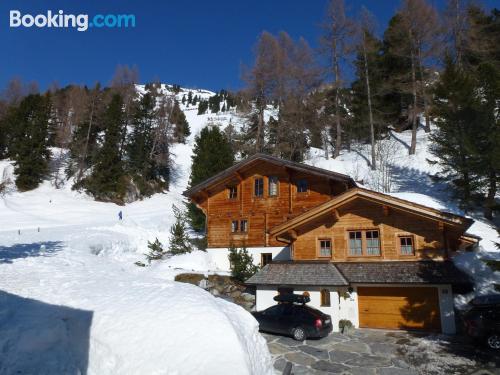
(482, 320)
(296, 320)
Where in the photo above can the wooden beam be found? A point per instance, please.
(386, 210)
(290, 190)
(240, 195)
(293, 234)
(266, 234)
(238, 176)
(336, 214)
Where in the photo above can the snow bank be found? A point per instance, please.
(484, 278)
(196, 261)
(177, 329)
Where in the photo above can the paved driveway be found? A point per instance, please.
(377, 352)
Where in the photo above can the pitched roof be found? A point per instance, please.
(317, 273)
(383, 199)
(299, 273)
(422, 272)
(273, 160)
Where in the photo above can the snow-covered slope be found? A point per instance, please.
(71, 299)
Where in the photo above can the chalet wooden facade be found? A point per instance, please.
(243, 203)
(389, 258)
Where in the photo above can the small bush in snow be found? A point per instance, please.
(241, 261)
(156, 251)
(179, 240)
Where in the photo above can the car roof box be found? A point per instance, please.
(292, 298)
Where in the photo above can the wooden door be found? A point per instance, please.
(413, 308)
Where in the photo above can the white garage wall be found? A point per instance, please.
(348, 306)
(219, 255)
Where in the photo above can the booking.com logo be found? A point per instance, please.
(78, 21)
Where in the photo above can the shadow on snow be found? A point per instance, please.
(37, 337)
(36, 249)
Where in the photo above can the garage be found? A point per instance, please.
(412, 308)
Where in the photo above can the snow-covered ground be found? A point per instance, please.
(71, 298)
(72, 301)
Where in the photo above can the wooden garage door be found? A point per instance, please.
(399, 308)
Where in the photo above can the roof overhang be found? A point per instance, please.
(233, 173)
(329, 208)
(292, 273)
(317, 273)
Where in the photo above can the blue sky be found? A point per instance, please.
(193, 43)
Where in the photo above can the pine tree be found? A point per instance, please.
(184, 100)
(179, 240)
(178, 118)
(482, 57)
(108, 180)
(202, 107)
(241, 262)
(29, 145)
(190, 97)
(156, 251)
(212, 153)
(395, 96)
(141, 139)
(456, 119)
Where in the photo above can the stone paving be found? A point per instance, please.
(377, 352)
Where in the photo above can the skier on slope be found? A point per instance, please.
(120, 215)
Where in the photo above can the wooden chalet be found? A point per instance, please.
(388, 260)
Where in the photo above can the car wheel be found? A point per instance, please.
(493, 341)
(299, 334)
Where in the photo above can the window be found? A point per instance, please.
(233, 192)
(234, 226)
(302, 186)
(372, 243)
(325, 248)
(325, 297)
(240, 226)
(259, 187)
(243, 226)
(265, 258)
(355, 243)
(273, 186)
(406, 244)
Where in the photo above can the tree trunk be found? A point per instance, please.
(424, 96)
(490, 197)
(84, 155)
(338, 136)
(413, 146)
(260, 128)
(370, 113)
